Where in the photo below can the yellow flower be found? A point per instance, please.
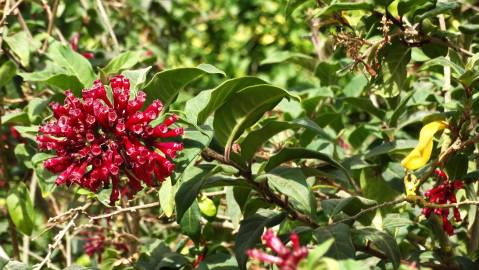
(420, 155)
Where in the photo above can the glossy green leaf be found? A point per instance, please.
(19, 43)
(223, 92)
(166, 85)
(122, 61)
(258, 137)
(251, 230)
(74, 63)
(244, 109)
(292, 153)
(291, 182)
(20, 209)
(137, 78)
(190, 222)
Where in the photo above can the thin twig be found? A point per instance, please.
(58, 238)
(51, 21)
(370, 209)
(13, 8)
(125, 210)
(106, 21)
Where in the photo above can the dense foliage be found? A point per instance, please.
(255, 134)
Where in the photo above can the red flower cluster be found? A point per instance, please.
(286, 259)
(95, 139)
(442, 194)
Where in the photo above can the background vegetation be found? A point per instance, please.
(297, 115)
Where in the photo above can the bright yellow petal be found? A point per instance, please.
(420, 155)
(427, 132)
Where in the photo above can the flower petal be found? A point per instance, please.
(420, 155)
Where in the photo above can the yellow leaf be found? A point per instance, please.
(420, 155)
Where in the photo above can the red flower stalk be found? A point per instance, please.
(443, 194)
(287, 258)
(97, 140)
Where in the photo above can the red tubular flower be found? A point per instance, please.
(97, 141)
(443, 194)
(287, 258)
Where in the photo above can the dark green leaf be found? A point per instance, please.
(365, 105)
(190, 222)
(382, 241)
(342, 248)
(251, 230)
(7, 72)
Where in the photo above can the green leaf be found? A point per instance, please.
(55, 77)
(409, 6)
(365, 105)
(137, 79)
(15, 117)
(340, 6)
(251, 230)
(122, 61)
(315, 255)
(286, 56)
(397, 57)
(400, 109)
(35, 107)
(292, 183)
(166, 85)
(356, 86)
(20, 209)
(350, 205)
(389, 147)
(442, 61)
(195, 139)
(19, 43)
(441, 8)
(7, 72)
(343, 247)
(292, 153)
(326, 72)
(244, 109)
(374, 187)
(258, 137)
(193, 180)
(222, 93)
(218, 261)
(74, 63)
(291, 5)
(167, 197)
(382, 241)
(190, 222)
(456, 166)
